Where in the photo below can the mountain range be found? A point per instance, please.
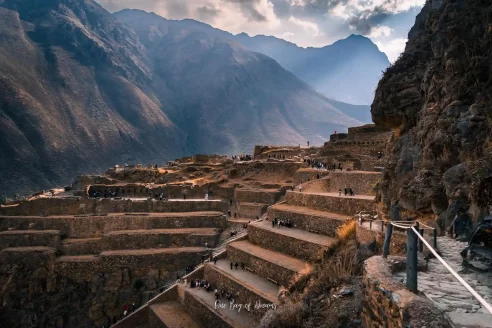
(347, 70)
(82, 89)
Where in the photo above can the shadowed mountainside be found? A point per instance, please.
(80, 92)
(437, 98)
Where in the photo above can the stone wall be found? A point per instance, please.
(242, 294)
(13, 238)
(308, 174)
(362, 183)
(284, 244)
(201, 313)
(308, 221)
(261, 267)
(388, 304)
(252, 210)
(334, 204)
(375, 238)
(159, 239)
(97, 226)
(369, 132)
(264, 196)
(74, 206)
(263, 151)
(276, 168)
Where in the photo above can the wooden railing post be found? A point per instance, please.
(412, 260)
(421, 243)
(387, 239)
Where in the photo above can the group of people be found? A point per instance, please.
(280, 156)
(242, 157)
(347, 191)
(159, 196)
(236, 265)
(281, 223)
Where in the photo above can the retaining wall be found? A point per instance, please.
(74, 206)
(284, 244)
(388, 304)
(334, 204)
(362, 183)
(97, 226)
(307, 221)
(264, 196)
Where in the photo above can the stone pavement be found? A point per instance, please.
(448, 294)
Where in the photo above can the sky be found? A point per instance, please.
(307, 23)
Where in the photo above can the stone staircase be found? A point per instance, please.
(272, 257)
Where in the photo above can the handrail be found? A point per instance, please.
(456, 275)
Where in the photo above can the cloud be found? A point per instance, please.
(392, 48)
(249, 9)
(307, 23)
(380, 30)
(207, 13)
(307, 26)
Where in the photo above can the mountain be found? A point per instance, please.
(350, 78)
(348, 70)
(437, 98)
(81, 91)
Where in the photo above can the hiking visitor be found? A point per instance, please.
(300, 187)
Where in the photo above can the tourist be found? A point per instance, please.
(242, 266)
(351, 192)
(206, 245)
(300, 187)
(215, 259)
(379, 155)
(235, 215)
(273, 222)
(345, 191)
(293, 187)
(308, 143)
(232, 266)
(236, 265)
(230, 202)
(229, 212)
(178, 279)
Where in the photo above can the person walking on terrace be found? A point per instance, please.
(300, 187)
(351, 191)
(206, 245)
(232, 266)
(345, 191)
(229, 212)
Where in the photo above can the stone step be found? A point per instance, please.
(469, 320)
(301, 244)
(170, 315)
(246, 287)
(331, 202)
(201, 305)
(308, 219)
(252, 210)
(28, 238)
(81, 246)
(157, 238)
(264, 262)
(32, 257)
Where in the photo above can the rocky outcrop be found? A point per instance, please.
(437, 99)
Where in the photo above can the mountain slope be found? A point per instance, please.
(437, 97)
(73, 95)
(81, 91)
(348, 70)
(244, 97)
